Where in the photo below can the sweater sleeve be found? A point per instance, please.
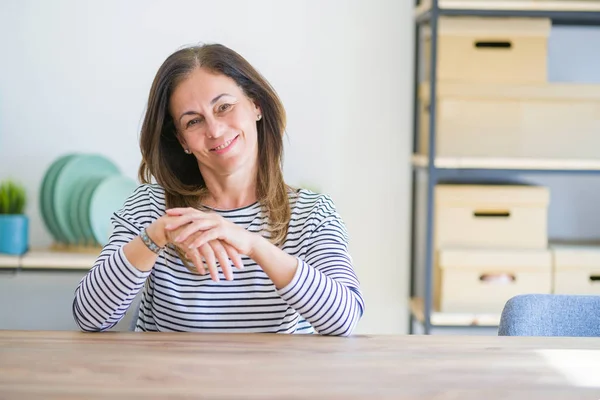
(325, 289)
(105, 293)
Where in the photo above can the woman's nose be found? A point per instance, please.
(215, 129)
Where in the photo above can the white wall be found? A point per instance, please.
(75, 76)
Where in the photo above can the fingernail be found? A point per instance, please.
(191, 246)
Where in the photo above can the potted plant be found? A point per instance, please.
(14, 224)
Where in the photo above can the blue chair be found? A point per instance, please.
(134, 310)
(136, 314)
(551, 315)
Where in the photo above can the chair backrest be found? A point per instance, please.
(551, 315)
(134, 317)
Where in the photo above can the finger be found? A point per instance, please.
(194, 227)
(177, 221)
(181, 211)
(194, 256)
(234, 255)
(187, 243)
(205, 237)
(223, 258)
(211, 263)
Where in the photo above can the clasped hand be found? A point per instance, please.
(210, 236)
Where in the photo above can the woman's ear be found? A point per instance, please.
(257, 111)
(182, 142)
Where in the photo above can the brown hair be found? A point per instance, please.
(164, 159)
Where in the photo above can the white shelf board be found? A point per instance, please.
(420, 160)
(437, 318)
(48, 259)
(9, 261)
(513, 5)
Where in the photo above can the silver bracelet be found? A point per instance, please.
(149, 242)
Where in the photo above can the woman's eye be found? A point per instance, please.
(193, 122)
(224, 107)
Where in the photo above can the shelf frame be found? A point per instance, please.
(438, 169)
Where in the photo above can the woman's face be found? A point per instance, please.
(216, 121)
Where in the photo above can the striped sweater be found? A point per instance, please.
(323, 297)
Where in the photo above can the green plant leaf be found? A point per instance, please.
(12, 198)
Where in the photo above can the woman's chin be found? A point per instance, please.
(231, 164)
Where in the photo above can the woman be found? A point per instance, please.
(220, 243)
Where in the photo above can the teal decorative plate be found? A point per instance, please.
(75, 201)
(108, 197)
(83, 210)
(46, 197)
(72, 175)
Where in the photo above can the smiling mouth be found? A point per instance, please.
(224, 145)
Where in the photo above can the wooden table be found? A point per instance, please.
(68, 365)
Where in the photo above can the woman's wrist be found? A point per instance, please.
(279, 266)
(156, 233)
(257, 245)
(145, 248)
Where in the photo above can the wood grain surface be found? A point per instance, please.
(111, 365)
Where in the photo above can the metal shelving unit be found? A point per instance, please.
(437, 169)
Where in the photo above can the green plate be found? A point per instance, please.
(46, 197)
(83, 210)
(43, 190)
(82, 166)
(107, 198)
(75, 200)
